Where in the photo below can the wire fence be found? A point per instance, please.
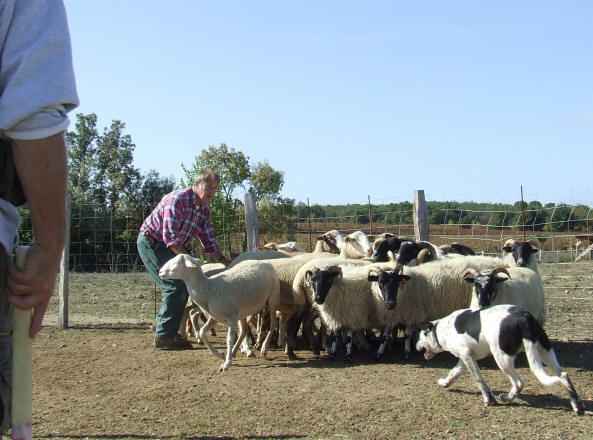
(105, 240)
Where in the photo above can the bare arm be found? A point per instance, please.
(42, 169)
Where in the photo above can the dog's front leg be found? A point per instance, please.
(473, 368)
(455, 372)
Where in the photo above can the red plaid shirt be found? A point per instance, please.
(177, 220)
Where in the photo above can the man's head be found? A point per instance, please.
(206, 185)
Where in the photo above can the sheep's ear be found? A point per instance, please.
(405, 279)
(468, 279)
(507, 248)
(426, 326)
(308, 278)
(501, 279)
(373, 278)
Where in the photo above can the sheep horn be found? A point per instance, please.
(373, 269)
(425, 255)
(500, 269)
(398, 268)
(470, 271)
(510, 242)
(391, 256)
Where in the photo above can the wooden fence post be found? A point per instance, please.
(420, 216)
(65, 270)
(251, 223)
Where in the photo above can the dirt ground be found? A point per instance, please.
(103, 380)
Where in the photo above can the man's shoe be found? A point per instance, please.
(171, 343)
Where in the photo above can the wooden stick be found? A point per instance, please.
(22, 365)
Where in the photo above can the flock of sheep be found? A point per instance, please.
(353, 288)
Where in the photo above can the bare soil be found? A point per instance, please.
(102, 379)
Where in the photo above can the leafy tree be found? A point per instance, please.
(81, 150)
(265, 181)
(231, 165)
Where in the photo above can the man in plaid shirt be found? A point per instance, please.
(179, 217)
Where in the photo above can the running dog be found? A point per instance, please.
(501, 331)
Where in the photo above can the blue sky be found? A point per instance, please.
(466, 100)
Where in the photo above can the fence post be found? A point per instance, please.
(251, 223)
(65, 270)
(370, 217)
(420, 216)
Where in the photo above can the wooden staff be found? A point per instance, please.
(22, 365)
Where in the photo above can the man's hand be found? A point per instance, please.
(33, 287)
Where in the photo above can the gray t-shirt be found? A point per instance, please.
(37, 86)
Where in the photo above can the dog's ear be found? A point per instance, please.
(426, 326)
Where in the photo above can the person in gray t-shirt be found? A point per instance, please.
(37, 89)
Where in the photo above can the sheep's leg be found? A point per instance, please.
(455, 372)
(242, 333)
(333, 347)
(473, 368)
(230, 337)
(348, 356)
(194, 315)
(203, 336)
(385, 336)
(264, 347)
(408, 334)
(204, 320)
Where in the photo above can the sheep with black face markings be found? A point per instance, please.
(521, 286)
(521, 254)
(230, 296)
(425, 292)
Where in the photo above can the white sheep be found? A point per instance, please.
(425, 292)
(357, 245)
(229, 296)
(265, 254)
(289, 247)
(330, 241)
(523, 288)
(189, 326)
(521, 254)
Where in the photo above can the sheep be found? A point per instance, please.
(523, 288)
(288, 303)
(302, 287)
(189, 325)
(521, 254)
(288, 247)
(425, 292)
(382, 246)
(410, 252)
(501, 331)
(330, 241)
(266, 254)
(230, 296)
(356, 245)
(457, 248)
(343, 298)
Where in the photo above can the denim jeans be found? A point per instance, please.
(174, 292)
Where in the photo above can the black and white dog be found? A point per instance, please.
(499, 330)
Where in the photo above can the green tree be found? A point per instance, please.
(231, 165)
(81, 150)
(265, 181)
